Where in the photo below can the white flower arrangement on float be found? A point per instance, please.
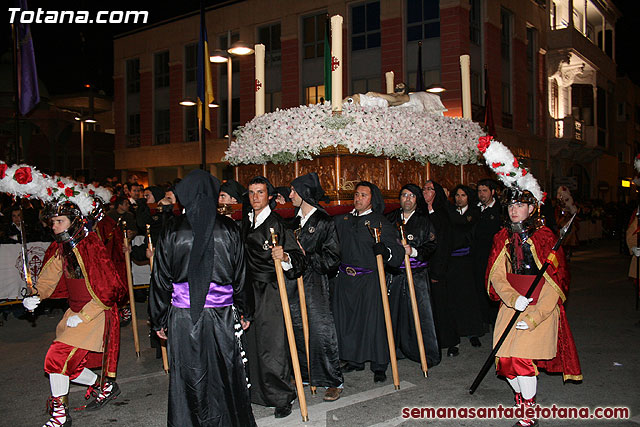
(26, 181)
(285, 136)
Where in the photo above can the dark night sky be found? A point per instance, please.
(70, 55)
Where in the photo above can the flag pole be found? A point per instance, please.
(203, 104)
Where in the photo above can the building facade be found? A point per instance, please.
(543, 68)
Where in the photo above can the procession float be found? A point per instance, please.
(389, 139)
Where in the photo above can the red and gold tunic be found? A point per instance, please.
(548, 341)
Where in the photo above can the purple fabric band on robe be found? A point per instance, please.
(415, 263)
(461, 252)
(218, 296)
(352, 270)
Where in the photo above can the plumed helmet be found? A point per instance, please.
(516, 195)
(534, 221)
(77, 230)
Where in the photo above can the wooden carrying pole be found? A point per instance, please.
(284, 300)
(132, 301)
(305, 327)
(163, 343)
(414, 304)
(387, 312)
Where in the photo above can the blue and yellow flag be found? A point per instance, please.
(205, 82)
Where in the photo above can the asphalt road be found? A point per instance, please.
(600, 310)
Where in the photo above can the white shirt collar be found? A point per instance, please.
(406, 219)
(490, 205)
(461, 211)
(261, 216)
(367, 212)
(304, 219)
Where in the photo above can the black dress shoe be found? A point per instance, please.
(348, 367)
(379, 376)
(453, 351)
(475, 342)
(282, 411)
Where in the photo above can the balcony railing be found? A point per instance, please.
(569, 128)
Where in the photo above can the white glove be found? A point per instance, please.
(74, 321)
(522, 325)
(636, 250)
(522, 303)
(30, 303)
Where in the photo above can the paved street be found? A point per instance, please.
(600, 312)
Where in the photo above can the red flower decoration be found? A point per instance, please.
(68, 192)
(524, 172)
(638, 156)
(60, 184)
(49, 191)
(23, 175)
(496, 165)
(91, 192)
(515, 163)
(3, 170)
(544, 196)
(484, 143)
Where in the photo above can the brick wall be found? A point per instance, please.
(519, 75)
(391, 58)
(493, 60)
(290, 73)
(146, 108)
(120, 112)
(454, 41)
(176, 111)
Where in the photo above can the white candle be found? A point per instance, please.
(389, 78)
(465, 64)
(336, 63)
(259, 83)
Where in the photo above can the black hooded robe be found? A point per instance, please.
(357, 302)
(319, 240)
(207, 383)
(421, 235)
(270, 368)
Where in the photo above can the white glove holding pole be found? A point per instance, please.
(74, 321)
(522, 325)
(636, 251)
(30, 303)
(522, 303)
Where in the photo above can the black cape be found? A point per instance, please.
(488, 225)
(319, 240)
(267, 347)
(421, 235)
(207, 383)
(357, 302)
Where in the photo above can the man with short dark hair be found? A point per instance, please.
(270, 368)
(357, 302)
(120, 212)
(489, 223)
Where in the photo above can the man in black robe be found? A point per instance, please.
(267, 348)
(357, 302)
(197, 301)
(444, 307)
(421, 244)
(460, 279)
(489, 223)
(316, 234)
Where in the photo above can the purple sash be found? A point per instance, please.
(461, 252)
(218, 296)
(352, 270)
(415, 264)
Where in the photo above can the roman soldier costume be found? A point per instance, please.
(544, 340)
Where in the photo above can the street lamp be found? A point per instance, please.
(435, 88)
(220, 57)
(82, 122)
